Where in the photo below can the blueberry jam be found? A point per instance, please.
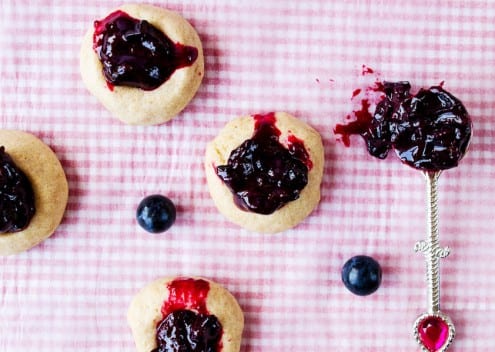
(429, 131)
(187, 325)
(187, 331)
(134, 53)
(434, 130)
(262, 174)
(380, 130)
(16, 196)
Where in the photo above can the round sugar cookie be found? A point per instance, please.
(292, 133)
(134, 105)
(178, 300)
(44, 171)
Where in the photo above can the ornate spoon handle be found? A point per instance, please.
(433, 330)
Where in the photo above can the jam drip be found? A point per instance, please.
(16, 196)
(187, 325)
(262, 174)
(429, 131)
(134, 53)
(187, 331)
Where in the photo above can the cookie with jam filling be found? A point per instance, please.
(143, 63)
(264, 171)
(176, 314)
(33, 191)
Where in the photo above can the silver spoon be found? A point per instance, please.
(433, 330)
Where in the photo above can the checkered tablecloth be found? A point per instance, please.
(71, 292)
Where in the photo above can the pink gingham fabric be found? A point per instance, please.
(71, 293)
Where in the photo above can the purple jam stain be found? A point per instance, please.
(134, 53)
(16, 196)
(187, 325)
(262, 174)
(429, 131)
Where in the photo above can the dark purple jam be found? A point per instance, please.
(381, 128)
(429, 131)
(433, 131)
(187, 331)
(262, 174)
(16, 196)
(134, 53)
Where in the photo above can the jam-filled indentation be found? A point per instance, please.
(188, 331)
(135, 53)
(262, 174)
(16, 196)
(187, 325)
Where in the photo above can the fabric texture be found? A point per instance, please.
(304, 57)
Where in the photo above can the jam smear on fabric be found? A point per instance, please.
(134, 53)
(358, 126)
(365, 70)
(187, 325)
(262, 174)
(428, 131)
(356, 93)
(16, 196)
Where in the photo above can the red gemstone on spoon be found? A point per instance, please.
(433, 333)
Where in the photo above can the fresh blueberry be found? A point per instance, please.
(156, 213)
(362, 275)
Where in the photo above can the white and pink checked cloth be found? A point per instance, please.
(71, 292)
